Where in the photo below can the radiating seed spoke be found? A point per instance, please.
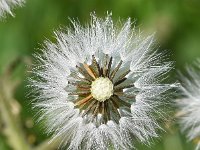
(83, 88)
(101, 71)
(79, 93)
(84, 73)
(81, 79)
(75, 76)
(115, 111)
(122, 102)
(124, 94)
(86, 81)
(79, 83)
(92, 109)
(107, 113)
(123, 87)
(109, 67)
(123, 75)
(89, 107)
(89, 97)
(104, 113)
(96, 66)
(103, 109)
(105, 69)
(89, 71)
(100, 108)
(82, 105)
(96, 109)
(128, 96)
(115, 70)
(115, 103)
(115, 100)
(120, 81)
(125, 103)
(120, 93)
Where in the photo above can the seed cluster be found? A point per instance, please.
(89, 101)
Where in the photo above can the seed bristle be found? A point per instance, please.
(75, 76)
(84, 73)
(92, 110)
(118, 88)
(119, 81)
(109, 67)
(84, 100)
(105, 69)
(122, 102)
(96, 110)
(115, 70)
(122, 77)
(89, 107)
(116, 112)
(115, 103)
(89, 71)
(79, 93)
(96, 66)
(107, 112)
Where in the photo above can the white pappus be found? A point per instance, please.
(6, 6)
(101, 86)
(189, 106)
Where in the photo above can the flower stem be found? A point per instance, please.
(12, 129)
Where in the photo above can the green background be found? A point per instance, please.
(176, 23)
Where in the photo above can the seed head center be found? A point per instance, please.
(102, 89)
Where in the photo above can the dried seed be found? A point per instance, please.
(90, 72)
(89, 97)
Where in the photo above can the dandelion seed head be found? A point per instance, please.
(100, 86)
(189, 106)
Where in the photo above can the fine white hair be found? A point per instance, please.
(6, 6)
(77, 45)
(189, 106)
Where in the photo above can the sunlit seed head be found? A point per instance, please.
(102, 89)
(128, 103)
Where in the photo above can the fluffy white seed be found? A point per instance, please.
(77, 45)
(189, 106)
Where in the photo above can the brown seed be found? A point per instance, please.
(119, 82)
(90, 72)
(115, 70)
(89, 107)
(109, 67)
(96, 66)
(105, 69)
(89, 97)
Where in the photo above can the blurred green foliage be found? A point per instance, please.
(176, 23)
